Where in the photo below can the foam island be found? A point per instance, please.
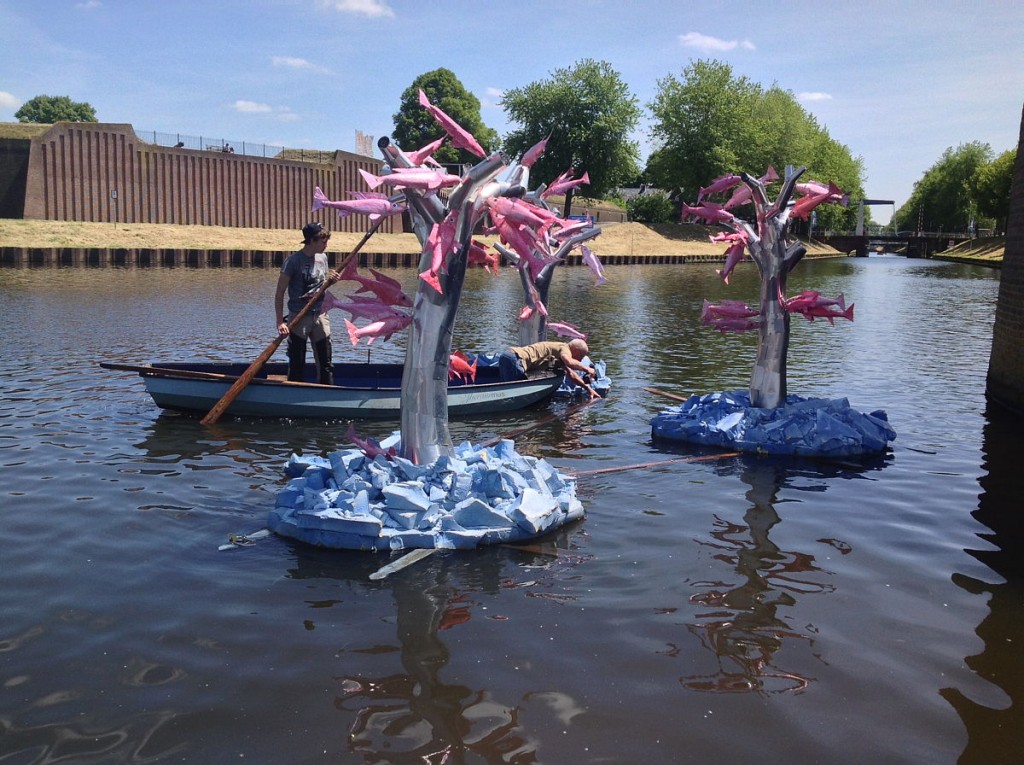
(480, 496)
(803, 426)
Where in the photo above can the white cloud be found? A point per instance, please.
(370, 8)
(9, 101)
(251, 107)
(708, 44)
(813, 96)
(292, 62)
(88, 5)
(492, 98)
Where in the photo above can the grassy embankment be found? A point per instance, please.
(617, 239)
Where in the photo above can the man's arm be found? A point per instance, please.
(282, 287)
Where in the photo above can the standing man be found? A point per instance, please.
(303, 273)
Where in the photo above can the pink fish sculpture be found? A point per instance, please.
(386, 289)
(373, 206)
(561, 186)
(479, 255)
(359, 306)
(461, 137)
(814, 188)
(733, 255)
(803, 206)
(460, 368)
(440, 242)
(383, 328)
(724, 183)
(742, 194)
(730, 316)
(422, 156)
(369, 446)
(811, 305)
(565, 329)
(422, 179)
(710, 212)
(535, 152)
(591, 261)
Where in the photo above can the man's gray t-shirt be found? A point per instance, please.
(305, 274)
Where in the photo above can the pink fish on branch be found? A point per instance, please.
(591, 261)
(440, 242)
(359, 306)
(461, 138)
(803, 206)
(421, 179)
(742, 195)
(564, 182)
(730, 316)
(383, 328)
(718, 185)
(709, 212)
(535, 152)
(831, 192)
(812, 305)
(479, 255)
(386, 289)
(372, 205)
(423, 156)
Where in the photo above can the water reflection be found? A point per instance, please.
(995, 733)
(412, 715)
(744, 627)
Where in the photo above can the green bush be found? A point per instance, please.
(651, 207)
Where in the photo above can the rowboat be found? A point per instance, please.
(361, 390)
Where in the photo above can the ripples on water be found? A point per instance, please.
(728, 610)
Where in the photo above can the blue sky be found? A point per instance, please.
(896, 82)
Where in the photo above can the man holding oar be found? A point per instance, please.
(302, 274)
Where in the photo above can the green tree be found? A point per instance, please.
(50, 109)
(943, 199)
(991, 188)
(415, 127)
(710, 123)
(589, 114)
(651, 207)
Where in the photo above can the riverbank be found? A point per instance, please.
(32, 240)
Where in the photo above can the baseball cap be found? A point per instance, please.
(310, 231)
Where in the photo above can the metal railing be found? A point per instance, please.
(233, 146)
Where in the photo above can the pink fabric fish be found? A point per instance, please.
(565, 329)
(422, 156)
(386, 289)
(534, 152)
(563, 185)
(412, 178)
(459, 367)
(369, 446)
(384, 328)
(723, 183)
(591, 261)
(461, 137)
(707, 211)
(372, 205)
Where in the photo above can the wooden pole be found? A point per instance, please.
(672, 396)
(246, 377)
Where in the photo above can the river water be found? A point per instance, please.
(729, 610)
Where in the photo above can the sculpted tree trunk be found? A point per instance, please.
(424, 402)
(774, 260)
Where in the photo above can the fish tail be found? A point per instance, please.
(372, 180)
(318, 199)
(430, 277)
(353, 332)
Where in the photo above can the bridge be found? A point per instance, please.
(920, 245)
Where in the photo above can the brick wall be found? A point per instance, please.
(100, 172)
(1006, 364)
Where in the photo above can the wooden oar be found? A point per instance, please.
(672, 396)
(246, 377)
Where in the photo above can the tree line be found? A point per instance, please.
(706, 122)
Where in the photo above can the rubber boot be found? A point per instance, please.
(296, 358)
(322, 357)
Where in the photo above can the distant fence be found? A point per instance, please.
(233, 146)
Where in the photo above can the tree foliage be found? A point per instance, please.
(709, 123)
(991, 188)
(943, 200)
(651, 207)
(589, 113)
(50, 109)
(415, 126)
